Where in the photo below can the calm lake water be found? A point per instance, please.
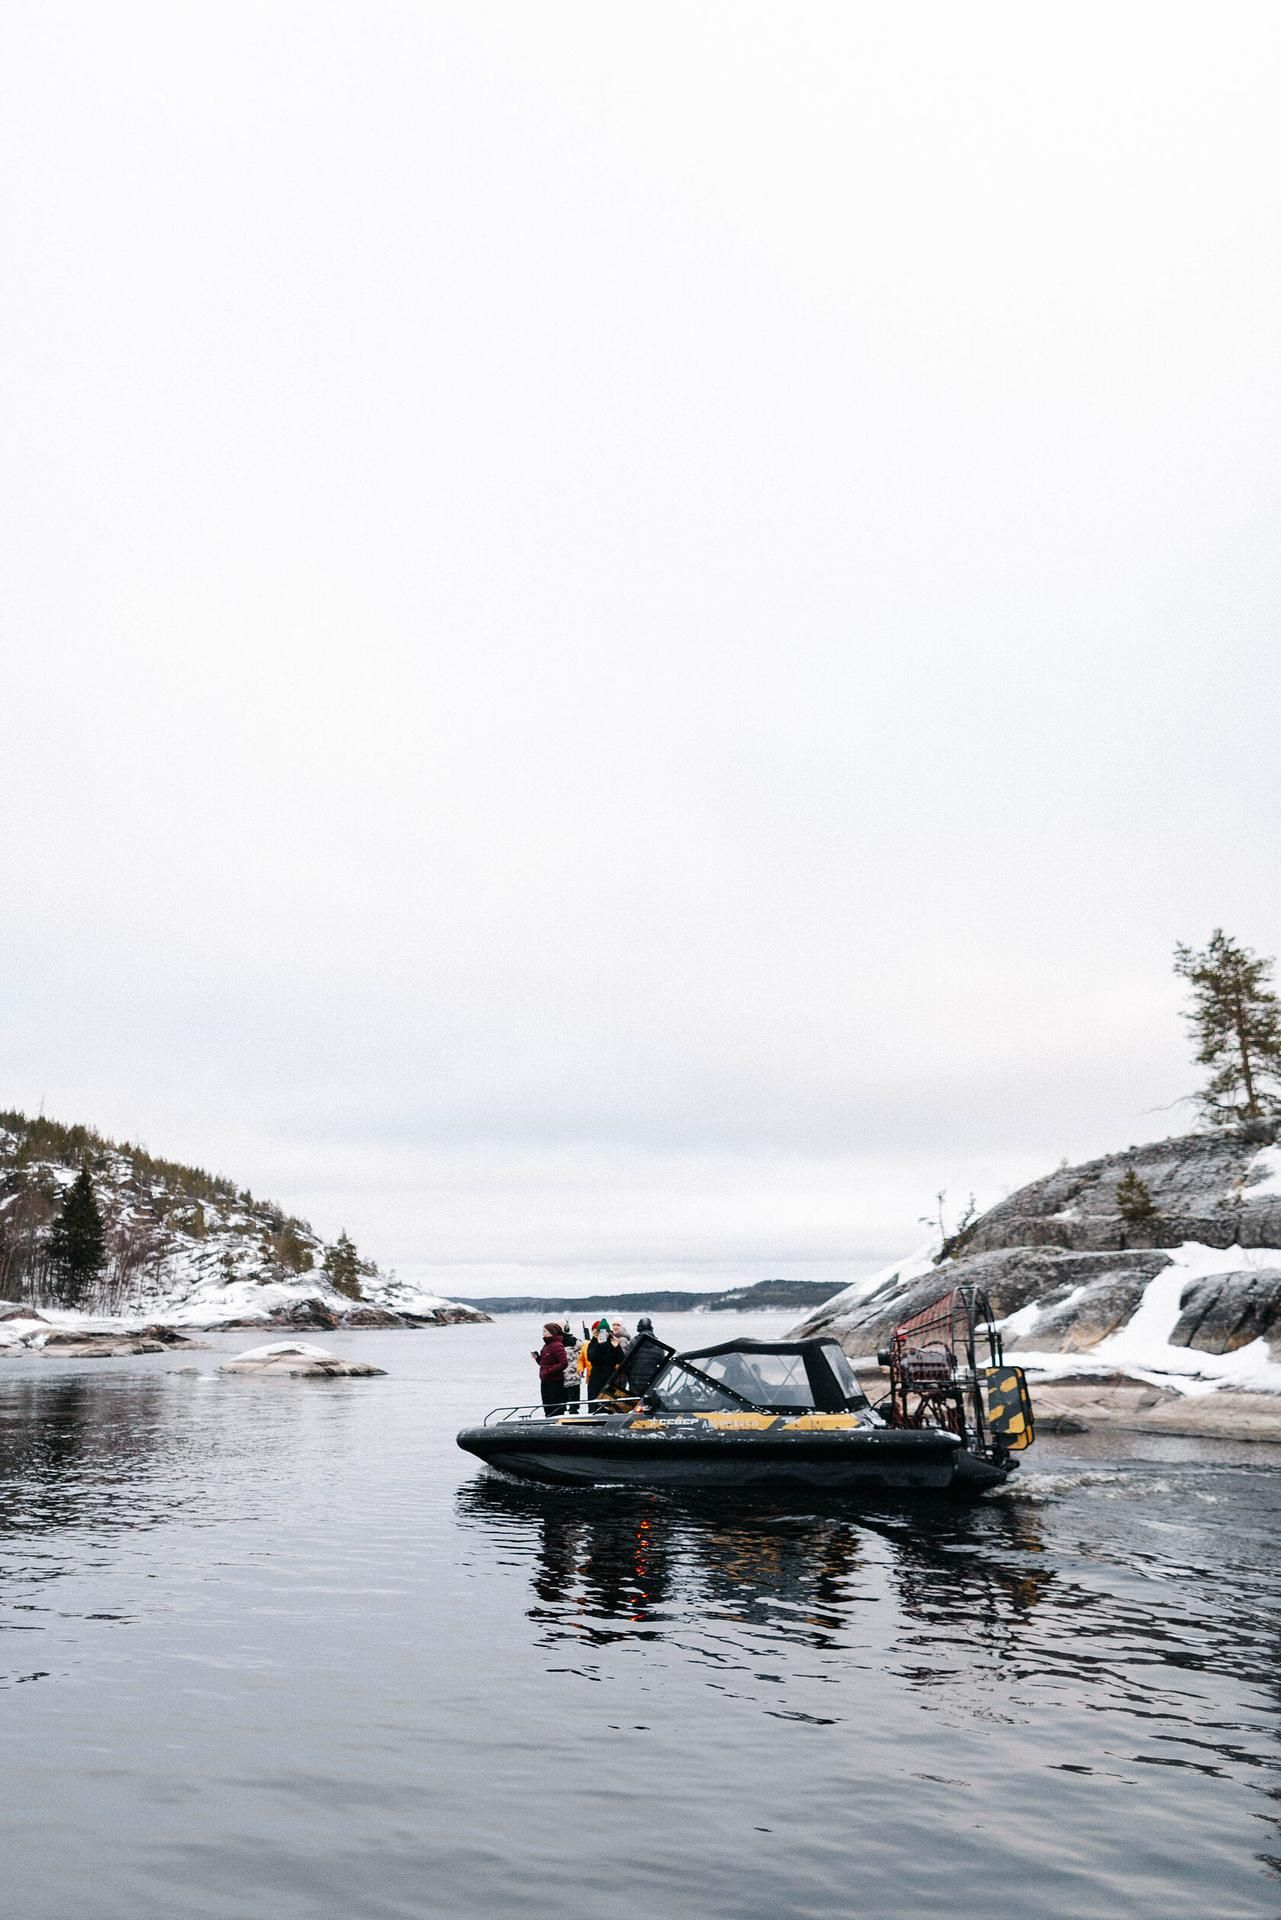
(279, 1649)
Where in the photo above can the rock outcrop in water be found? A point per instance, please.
(68, 1343)
(1067, 1269)
(298, 1360)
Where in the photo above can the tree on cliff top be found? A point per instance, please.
(1235, 1019)
(77, 1244)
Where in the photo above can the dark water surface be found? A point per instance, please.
(277, 1648)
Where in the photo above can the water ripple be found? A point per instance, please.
(343, 1672)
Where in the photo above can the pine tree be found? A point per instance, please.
(1134, 1198)
(1235, 1018)
(344, 1267)
(77, 1243)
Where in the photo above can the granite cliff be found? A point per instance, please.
(1180, 1277)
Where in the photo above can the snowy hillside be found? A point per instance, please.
(1181, 1284)
(182, 1246)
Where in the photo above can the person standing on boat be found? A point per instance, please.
(619, 1340)
(643, 1357)
(552, 1361)
(603, 1360)
(573, 1370)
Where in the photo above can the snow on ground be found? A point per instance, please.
(1142, 1346)
(242, 1300)
(209, 1302)
(32, 1328)
(1144, 1341)
(402, 1296)
(1249, 1370)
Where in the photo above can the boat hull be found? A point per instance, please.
(874, 1462)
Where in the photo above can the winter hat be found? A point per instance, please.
(602, 1326)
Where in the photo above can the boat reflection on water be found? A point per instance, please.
(972, 1568)
(626, 1564)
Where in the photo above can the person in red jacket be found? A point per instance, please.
(552, 1361)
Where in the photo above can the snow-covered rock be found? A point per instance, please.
(101, 1346)
(1190, 1297)
(79, 1339)
(299, 1359)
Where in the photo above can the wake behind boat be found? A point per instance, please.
(790, 1415)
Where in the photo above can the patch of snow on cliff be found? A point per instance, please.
(1142, 1345)
(1015, 1325)
(910, 1269)
(1268, 1164)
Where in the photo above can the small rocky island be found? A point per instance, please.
(109, 1233)
(1143, 1286)
(299, 1360)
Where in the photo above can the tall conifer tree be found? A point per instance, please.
(1235, 1019)
(344, 1267)
(77, 1243)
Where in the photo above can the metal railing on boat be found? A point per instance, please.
(568, 1410)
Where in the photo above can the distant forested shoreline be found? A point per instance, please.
(765, 1293)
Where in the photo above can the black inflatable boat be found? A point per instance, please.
(791, 1415)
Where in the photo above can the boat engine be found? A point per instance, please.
(947, 1368)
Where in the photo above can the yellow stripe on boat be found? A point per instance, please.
(737, 1422)
(723, 1422)
(822, 1423)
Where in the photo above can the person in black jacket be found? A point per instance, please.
(604, 1359)
(643, 1357)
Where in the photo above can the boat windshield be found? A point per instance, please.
(804, 1376)
(680, 1389)
(766, 1379)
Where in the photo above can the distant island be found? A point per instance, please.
(764, 1294)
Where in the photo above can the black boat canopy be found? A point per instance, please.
(776, 1376)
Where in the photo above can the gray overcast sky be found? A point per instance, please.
(630, 631)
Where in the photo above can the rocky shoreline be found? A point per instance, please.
(1139, 1407)
(72, 1336)
(1083, 1403)
(1168, 1322)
